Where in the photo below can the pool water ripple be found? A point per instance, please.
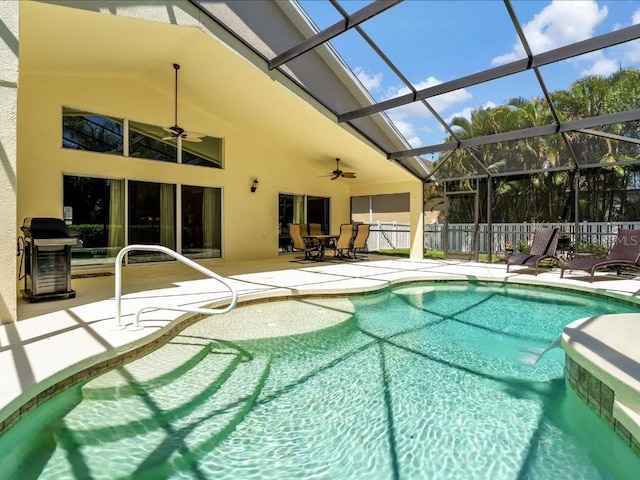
(424, 381)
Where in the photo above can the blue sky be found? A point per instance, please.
(433, 41)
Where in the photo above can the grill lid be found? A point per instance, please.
(46, 227)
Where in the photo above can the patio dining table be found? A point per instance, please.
(323, 242)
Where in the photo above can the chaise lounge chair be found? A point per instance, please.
(624, 253)
(543, 247)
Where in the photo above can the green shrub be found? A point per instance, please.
(595, 248)
(523, 246)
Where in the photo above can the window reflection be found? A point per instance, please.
(207, 153)
(99, 133)
(88, 131)
(94, 207)
(145, 141)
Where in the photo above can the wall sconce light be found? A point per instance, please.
(254, 185)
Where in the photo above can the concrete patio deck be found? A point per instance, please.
(56, 339)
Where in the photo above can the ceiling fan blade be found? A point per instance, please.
(349, 174)
(191, 139)
(193, 135)
(334, 177)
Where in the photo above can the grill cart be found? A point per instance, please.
(47, 258)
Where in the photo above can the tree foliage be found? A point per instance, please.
(607, 193)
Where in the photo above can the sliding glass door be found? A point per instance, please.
(156, 213)
(300, 209)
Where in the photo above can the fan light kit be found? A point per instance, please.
(177, 131)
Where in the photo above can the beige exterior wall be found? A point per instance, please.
(250, 220)
(269, 132)
(9, 47)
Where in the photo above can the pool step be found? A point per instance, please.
(628, 417)
(164, 426)
(153, 402)
(153, 370)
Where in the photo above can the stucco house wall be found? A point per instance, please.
(269, 132)
(9, 47)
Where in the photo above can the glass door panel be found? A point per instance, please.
(201, 222)
(151, 219)
(94, 207)
(318, 212)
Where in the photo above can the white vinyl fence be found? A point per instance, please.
(390, 236)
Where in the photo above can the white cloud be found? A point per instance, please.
(560, 23)
(509, 57)
(631, 50)
(371, 82)
(408, 116)
(602, 66)
(466, 112)
(408, 131)
(440, 103)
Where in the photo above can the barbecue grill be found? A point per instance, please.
(47, 258)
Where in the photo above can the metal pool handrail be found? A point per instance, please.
(181, 258)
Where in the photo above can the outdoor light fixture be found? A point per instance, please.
(254, 185)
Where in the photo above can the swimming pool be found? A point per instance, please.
(422, 381)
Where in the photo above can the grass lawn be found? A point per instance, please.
(433, 254)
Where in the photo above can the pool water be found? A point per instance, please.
(433, 381)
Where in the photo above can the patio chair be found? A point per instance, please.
(360, 238)
(623, 254)
(311, 250)
(315, 229)
(543, 248)
(342, 245)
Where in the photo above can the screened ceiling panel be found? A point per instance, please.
(414, 121)
(323, 14)
(437, 34)
(459, 166)
(505, 107)
(374, 74)
(535, 154)
(400, 72)
(628, 132)
(596, 150)
(532, 155)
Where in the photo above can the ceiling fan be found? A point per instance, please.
(337, 173)
(177, 131)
